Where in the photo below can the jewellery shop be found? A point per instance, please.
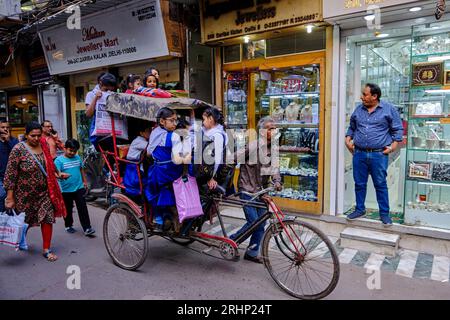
(103, 45)
(270, 60)
(408, 56)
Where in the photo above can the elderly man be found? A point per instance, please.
(255, 174)
(7, 142)
(52, 139)
(374, 132)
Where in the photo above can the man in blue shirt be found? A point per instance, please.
(374, 132)
(7, 142)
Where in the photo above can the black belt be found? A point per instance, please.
(369, 149)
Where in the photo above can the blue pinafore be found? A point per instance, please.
(161, 174)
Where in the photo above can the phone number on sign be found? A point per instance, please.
(119, 52)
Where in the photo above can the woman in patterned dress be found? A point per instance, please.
(30, 181)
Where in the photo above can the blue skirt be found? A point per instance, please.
(131, 180)
(159, 190)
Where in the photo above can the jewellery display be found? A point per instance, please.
(441, 172)
(419, 170)
(427, 187)
(306, 114)
(292, 111)
(292, 98)
(307, 195)
(278, 114)
(428, 109)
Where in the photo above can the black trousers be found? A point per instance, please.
(83, 214)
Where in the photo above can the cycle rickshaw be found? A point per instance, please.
(298, 256)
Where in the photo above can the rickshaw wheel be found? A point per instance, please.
(125, 237)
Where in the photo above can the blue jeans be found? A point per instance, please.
(2, 197)
(252, 214)
(375, 164)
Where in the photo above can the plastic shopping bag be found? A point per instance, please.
(11, 228)
(187, 198)
(103, 121)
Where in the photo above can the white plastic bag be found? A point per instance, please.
(11, 228)
(103, 121)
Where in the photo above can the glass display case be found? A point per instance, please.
(292, 97)
(427, 186)
(236, 102)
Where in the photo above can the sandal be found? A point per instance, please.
(50, 256)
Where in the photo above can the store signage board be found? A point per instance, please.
(123, 34)
(224, 19)
(336, 8)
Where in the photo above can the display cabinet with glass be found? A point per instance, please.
(292, 97)
(427, 186)
(236, 102)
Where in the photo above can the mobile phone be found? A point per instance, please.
(52, 131)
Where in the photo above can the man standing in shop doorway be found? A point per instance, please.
(374, 132)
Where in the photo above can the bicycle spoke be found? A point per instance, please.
(309, 275)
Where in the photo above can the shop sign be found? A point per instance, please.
(336, 8)
(427, 73)
(228, 19)
(128, 33)
(39, 71)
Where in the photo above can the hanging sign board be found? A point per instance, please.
(127, 33)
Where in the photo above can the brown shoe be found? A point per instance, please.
(253, 259)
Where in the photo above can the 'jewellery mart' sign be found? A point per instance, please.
(128, 33)
(223, 19)
(336, 8)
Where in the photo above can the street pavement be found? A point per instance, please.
(175, 272)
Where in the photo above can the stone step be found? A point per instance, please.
(371, 241)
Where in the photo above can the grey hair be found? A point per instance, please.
(262, 122)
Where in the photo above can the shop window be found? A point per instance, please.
(232, 53)
(296, 43)
(79, 93)
(254, 50)
(23, 109)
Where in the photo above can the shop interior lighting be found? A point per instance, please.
(382, 35)
(415, 9)
(370, 17)
(309, 28)
(438, 153)
(437, 91)
(434, 184)
(246, 39)
(438, 58)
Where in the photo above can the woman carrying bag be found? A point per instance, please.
(30, 181)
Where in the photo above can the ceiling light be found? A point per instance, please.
(415, 9)
(382, 35)
(309, 28)
(370, 17)
(246, 39)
